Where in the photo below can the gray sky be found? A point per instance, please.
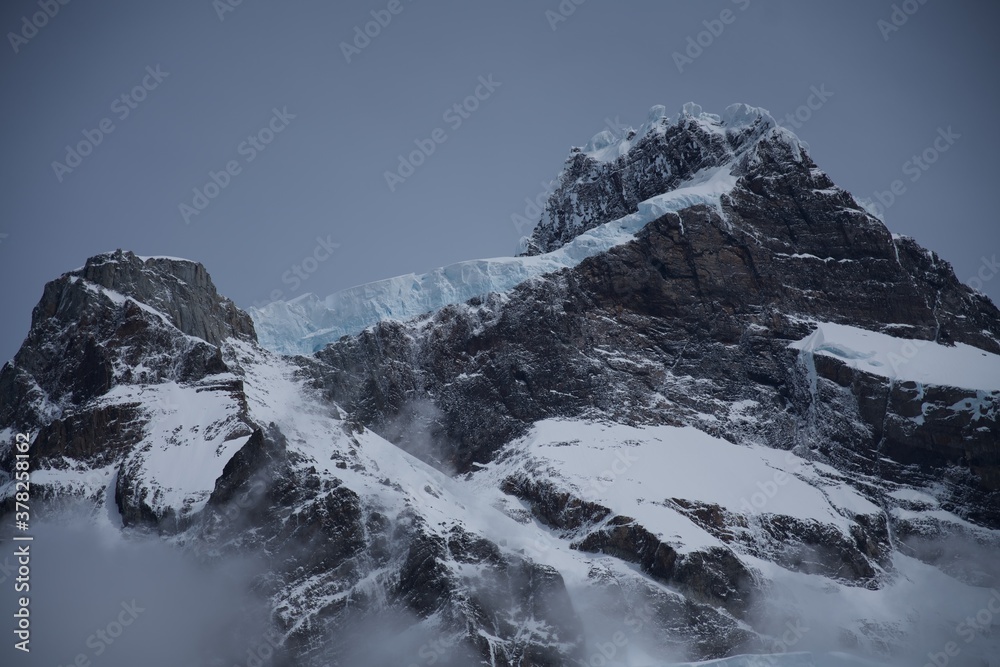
(888, 93)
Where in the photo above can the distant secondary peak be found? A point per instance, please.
(181, 290)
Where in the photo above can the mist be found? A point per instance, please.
(923, 610)
(98, 597)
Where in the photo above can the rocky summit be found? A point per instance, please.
(715, 409)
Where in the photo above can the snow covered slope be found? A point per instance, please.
(905, 360)
(192, 433)
(189, 433)
(757, 503)
(642, 473)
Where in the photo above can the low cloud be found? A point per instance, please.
(99, 598)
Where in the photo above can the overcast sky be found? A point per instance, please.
(200, 78)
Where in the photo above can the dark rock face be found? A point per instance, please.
(917, 425)
(86, 435)
(801, 546)
(94, 327)
(708, 302)
(715, 577)
(552, 506)
(180, 289)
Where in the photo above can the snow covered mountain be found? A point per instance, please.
(716, 411)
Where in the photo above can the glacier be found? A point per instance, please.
(307, 323)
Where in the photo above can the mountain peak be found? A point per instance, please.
(611, 143)
(180, 290)
(118, 320)
(621, 167)
(622, 180)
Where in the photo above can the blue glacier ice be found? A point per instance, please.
(308, 323)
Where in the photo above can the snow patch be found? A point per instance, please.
(636, 472)
(905, 360)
